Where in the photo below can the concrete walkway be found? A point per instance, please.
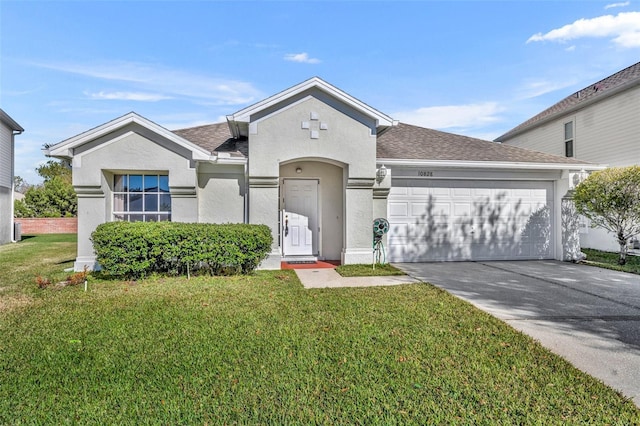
(329, 278)
(589, 316)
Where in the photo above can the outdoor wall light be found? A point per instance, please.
(381, 173)
(298, 170)
(583, 175)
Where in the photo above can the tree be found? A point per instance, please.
(54, 198)
(20, 184)
(610, 198)
(55, 169)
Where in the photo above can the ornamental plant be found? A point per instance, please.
(610, 198)
(137, 249)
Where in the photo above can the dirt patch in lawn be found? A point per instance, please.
(10, 303)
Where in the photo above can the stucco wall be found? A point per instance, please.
(129, 150)
(308, 128)
(221, 193)
(280, 137)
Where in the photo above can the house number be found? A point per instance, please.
(425, 173)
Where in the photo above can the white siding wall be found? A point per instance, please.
(6, 156)
(6, 183)
(607, 132)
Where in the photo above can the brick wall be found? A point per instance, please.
(48, 225)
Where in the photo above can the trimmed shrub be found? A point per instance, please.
(136, 249)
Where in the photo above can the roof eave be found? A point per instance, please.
(490, 164)
(65, 148)
(10, 122)
(605, 94)
(244, 115)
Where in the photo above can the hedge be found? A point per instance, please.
(137, 249)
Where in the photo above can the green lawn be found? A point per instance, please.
(263, 350)
(609, 260)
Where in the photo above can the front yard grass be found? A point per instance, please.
(608, 260)
(262, 350)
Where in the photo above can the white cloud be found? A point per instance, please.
(535, 88)
(127, 96)
(168, 82)
(301, 57)
(570, 48)
(452, 116)
(28, 156)
(622, 4)
(623, 29)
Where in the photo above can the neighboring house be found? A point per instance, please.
(599, 124)
(8, 129)
(318, 166)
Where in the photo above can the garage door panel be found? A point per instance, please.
(419, 191)
(419, 210)
(461, 192)
(470, 220)
(398, 209)
(440, 192)
(481, 192)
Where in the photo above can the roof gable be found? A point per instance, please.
(616, 83)
(66, 148)
(238, 122)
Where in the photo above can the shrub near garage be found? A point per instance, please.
(137, 249)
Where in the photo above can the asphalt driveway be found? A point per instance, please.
(589, 316)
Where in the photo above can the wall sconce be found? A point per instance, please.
(381, 173)
(583, 175)
(298, 170)
(580, 177)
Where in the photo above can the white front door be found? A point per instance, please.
(300, 217)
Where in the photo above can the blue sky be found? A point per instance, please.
(476, 68)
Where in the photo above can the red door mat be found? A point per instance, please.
(310, 264)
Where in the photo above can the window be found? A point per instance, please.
(568, 139)
(141, 198)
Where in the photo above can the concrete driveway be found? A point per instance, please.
(589, 316)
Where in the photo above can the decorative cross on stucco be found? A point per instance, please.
(314, 125)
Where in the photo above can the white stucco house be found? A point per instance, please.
(318, 166)
(598, 124)
(8, 130)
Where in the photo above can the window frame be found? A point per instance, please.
(148, 200)
(569, 142)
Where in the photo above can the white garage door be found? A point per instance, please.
(441, 220)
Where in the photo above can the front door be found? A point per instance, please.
(300, 217)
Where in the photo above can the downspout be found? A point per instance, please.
(13, 183)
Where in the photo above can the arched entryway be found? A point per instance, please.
(311, 209)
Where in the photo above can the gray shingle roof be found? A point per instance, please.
(628, 77)
(215, 138)
(408, 142)
(401, 142)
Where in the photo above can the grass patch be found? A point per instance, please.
(36, 255)
(262, 350)
(609, 260)
(365, 270)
